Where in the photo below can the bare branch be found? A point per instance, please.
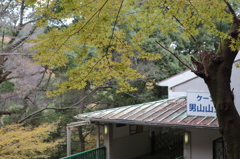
(231, 10)
(10, 112)
(89, 132)
(55, 108)
(3, 34)
(22, 12)
(4, 8)
(81, 28)
(194, 39)
(11, 54)
(13, 46)
(176, 56)
(41, 110)
(4, 76)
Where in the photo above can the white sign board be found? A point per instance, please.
(200, 104)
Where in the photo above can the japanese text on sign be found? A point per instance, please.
(200, 104)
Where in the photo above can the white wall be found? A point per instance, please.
(202, 143)
(125, 146)
(196, 84)
(236, 86)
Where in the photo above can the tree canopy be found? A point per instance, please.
(17, 141)
(103, 25)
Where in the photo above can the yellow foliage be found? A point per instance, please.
(19, 142)
(98, 27)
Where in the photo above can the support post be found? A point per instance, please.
(108, 140)
(187, 145)
(69, 132)
(98, 135)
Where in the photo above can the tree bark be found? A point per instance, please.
(82, 139)
(216, 69)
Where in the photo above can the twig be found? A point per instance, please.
(89, 132)
(109, 44)
(194, 39)
(55, 108)
(41, 110)
(235, 18)
(11, 54)
(176, 56)
(81, 28)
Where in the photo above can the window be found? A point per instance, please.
(120, 125)
(134, 129)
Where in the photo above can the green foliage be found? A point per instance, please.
(6, 87)
(117, 30)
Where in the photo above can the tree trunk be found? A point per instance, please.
(82, 139)
(2, 75)
(215, 69)
(80, 131)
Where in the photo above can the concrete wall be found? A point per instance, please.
(126, 146)
(201, 141)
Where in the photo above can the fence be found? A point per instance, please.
(97, 153)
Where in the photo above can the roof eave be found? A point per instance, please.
(121, 121)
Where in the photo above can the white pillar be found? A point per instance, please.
(69, 141)
(187, 145)
(98, 136)
(108, 140)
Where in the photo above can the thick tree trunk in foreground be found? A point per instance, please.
(215, 69)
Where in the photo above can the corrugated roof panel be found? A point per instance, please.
(206, 121)
(153, 111)
(212, 121)
(175, 117)
(125, 112)
(117, 112)
(170, 114)
(197, 120)
(164, 112)
(146, 109)
(136, 111)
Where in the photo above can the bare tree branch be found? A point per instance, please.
(194, 39)
(176, 56)
(41, 110)
(4, 76)
(10, 112)
(231, 10)
(55, 108)
(4, 8)
(11, 54)
(13, 46)
(89, 132)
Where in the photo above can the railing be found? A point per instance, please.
(97, 153)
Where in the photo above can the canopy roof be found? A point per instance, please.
(169, 112)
